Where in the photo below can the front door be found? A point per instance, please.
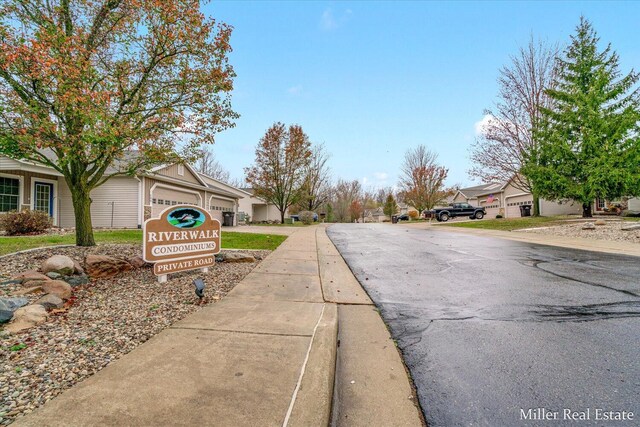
(43, 197)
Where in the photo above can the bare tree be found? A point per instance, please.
(208, 165)
(422, 179)
(344, 194)
(506, 141)
(282, 156)
(317, 181)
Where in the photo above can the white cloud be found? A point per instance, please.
(329, 22)
(480, 125)
(295, 90)
(381, 176)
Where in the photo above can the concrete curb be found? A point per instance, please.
(313, 403)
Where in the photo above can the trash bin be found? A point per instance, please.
(227, 219)
(525, 210)
(394, 219)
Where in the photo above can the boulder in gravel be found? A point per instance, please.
(588, 226)
(32, 283)
(28, 291)
(600, 222)
(9, 305)
(77, 268)
(29, 275)
(60, 264)
(630, 227)
(27, 317)
(50, 301)
(138, 262)
(74, 281)
(105, 266)
(237, 257)
(59, 288)
(53, 275)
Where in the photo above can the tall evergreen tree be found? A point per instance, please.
(390, 206)
(589, 140)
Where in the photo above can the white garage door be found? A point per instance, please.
(217, 206)
(514, 203)
(164, 197)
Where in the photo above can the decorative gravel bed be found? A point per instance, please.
(610, 231)
(107, 319)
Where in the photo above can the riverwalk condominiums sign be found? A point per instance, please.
(183, 238)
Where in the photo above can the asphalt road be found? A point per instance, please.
(503, 333)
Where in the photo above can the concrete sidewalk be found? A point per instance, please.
(265, 355)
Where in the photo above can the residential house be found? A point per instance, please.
(121, 202)
(506, 200)
(375, 215)
(258, 209)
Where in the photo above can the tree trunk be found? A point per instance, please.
(536, 205)
(82, 210)
(586, 210)
(282, 216)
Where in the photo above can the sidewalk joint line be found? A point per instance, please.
(242, 332)
(285, 423)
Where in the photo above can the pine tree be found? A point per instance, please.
(589, 144)
(390, 207)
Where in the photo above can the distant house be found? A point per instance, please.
(375, 215)
(505, 199)
(257, 208)
(121, 202)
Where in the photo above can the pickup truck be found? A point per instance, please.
(457, 209)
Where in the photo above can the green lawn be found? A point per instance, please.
(507, 224)
(230, 240)
(295, 224)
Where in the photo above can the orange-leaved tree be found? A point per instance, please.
(98, 88)
(422, 179)
(282, 156)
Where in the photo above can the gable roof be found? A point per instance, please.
(479, 190)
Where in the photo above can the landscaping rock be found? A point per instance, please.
(28, 291)
(237, 257)
(61, 264)
(105, 266)
(9, 305)
(630, 227)
(29, 275)
(32, 283)
(11, 282)
(77, 268)
(53, 275)
(27, 317)
(600, 222)
(588, 226)
(74, 281)
(50, 301)
(59, 288)
(138, 262)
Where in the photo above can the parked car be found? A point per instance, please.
(403, 217)
(455, 210)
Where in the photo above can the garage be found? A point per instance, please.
(217, 206)
(492, 209)
(162, 197)
(514, 203)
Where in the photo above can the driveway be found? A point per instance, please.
(505, 333)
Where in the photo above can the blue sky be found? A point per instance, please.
(373, 79)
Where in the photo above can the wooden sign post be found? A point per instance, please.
(184, 237)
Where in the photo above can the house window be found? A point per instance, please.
(181, 170)
(9, 194)
(600, 203)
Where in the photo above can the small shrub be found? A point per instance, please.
(306, 217)
(413, 214)
(25, 222)
(498, 216)
(631, 214)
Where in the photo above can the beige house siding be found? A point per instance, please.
(172, 172)
(460, 198)
(549, 208)
(118, 195)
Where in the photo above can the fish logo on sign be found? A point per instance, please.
(185, 218)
